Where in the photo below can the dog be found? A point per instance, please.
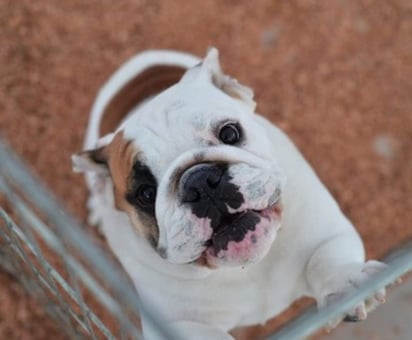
(210, 208)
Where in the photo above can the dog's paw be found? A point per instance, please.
(347, 279)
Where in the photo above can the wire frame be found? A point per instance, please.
(61, 266)
(59, 263)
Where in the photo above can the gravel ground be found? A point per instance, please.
(335, 75)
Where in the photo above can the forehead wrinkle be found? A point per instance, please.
(152, 128)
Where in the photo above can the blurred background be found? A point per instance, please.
(335, 75)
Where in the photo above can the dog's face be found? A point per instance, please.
(194, 171)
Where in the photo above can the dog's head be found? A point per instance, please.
(193, 169)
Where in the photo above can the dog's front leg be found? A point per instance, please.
(336, 268)
(186, 330)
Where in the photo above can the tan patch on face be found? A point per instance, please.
(121, 155)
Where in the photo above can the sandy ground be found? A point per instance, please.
(335, 75)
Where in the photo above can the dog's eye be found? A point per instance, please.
(146, 195)
(230, 134)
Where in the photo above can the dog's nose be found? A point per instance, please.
(208, 190)
(202, 182)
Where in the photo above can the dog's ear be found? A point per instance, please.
(91, 161)
(224, 82)
(210, 66)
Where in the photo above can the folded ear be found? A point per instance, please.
(91, 161)
(211, 68)
(226, 83)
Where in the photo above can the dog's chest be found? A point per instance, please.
(227, 299)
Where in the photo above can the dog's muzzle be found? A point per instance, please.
(208, 190)
(225, 209)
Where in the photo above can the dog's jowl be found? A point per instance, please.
(210, 208)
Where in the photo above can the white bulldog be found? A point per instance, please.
(212, 211)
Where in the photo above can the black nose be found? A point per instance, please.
(208, 190)
(202, 182)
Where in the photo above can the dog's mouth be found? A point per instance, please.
(242, 229)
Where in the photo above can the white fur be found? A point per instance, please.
(316, 253)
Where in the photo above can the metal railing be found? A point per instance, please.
(57, 262)
(27, 247)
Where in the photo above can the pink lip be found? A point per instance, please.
(254, 243)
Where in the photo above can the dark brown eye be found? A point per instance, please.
(230, 134)
(146, 195)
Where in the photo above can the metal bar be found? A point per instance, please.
(56, 276)
(7, 262)
(31, 242)
(69, 229)
(313, 320)
(82, 273)
(85, 311)
(17, 248)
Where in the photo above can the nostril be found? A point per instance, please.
(213, 178)
(191, 195)
(200, 182)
